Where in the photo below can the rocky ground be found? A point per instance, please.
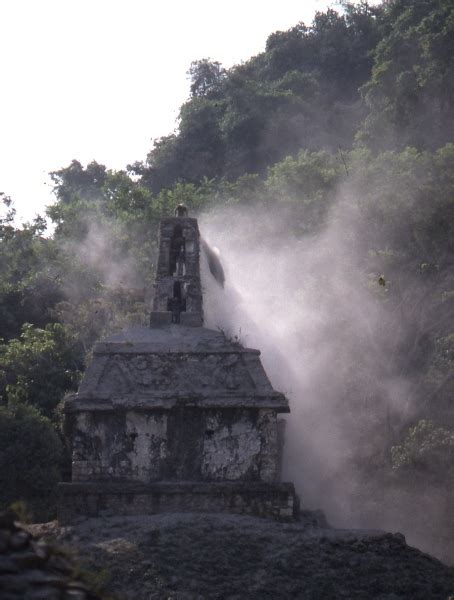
(32, 569)
(189, 557)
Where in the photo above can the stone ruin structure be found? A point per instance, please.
(175, 417)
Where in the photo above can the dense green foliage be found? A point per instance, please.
(31, 454)
(40, 366)
(410, 95)
(28, 286)
(358, 106)
(302, 92)
(424, 447)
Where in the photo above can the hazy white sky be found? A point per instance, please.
(98, 79)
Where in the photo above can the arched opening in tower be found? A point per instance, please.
(177, 258)
(177, 304)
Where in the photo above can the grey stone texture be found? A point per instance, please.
(175, 403)
(178, 273)
(224, 556)
(277, 501)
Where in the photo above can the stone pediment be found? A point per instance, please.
(165, 366)
(147, 372)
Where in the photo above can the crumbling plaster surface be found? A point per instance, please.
(130, 446)
(244, 448)
(223, 445)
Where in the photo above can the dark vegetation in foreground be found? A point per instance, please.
(31, 568)
(361, 100)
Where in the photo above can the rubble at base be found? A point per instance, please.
(232, 557)
(31, 569)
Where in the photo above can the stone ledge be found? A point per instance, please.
(168, 400)
(82, 499)
(175, 487)
(132, 347)
(183, 221)
(187, 319)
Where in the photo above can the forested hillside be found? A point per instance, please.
(342, 129)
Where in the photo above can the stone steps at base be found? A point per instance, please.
(92, 499)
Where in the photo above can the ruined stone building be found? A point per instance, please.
(175, 416)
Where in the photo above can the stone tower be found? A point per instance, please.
(178, 289)
(175, 417)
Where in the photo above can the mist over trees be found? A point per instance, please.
(358, 104)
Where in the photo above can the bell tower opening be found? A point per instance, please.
(177, 258)
(177, 304)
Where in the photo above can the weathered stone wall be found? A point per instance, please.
(277, 501)
(185, 443)
(119, 445)
(240, 447)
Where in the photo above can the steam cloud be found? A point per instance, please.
(98, 252)
(328, 345)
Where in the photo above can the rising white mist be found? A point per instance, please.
(329, 340)
(99, 251)
(301, 303)
(325, 340)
